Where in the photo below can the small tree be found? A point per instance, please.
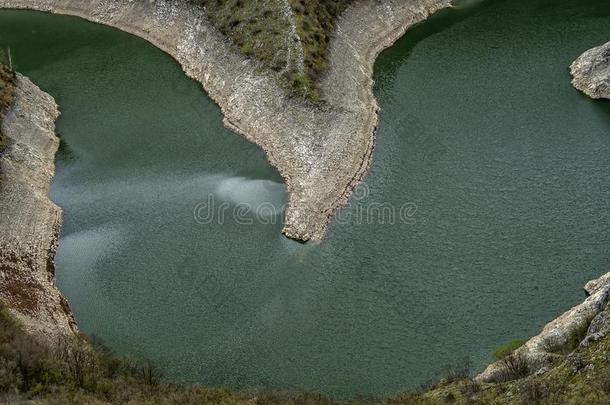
(78, 359)
(150, 373)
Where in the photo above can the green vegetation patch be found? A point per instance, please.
(257, 27)
(507, 349)
(290, 37)
(315, 21)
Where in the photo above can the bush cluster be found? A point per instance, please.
(73, 370)
(508, 348)
(260, 29)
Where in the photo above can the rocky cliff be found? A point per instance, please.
(29, 221)
(591, 72)
(322, 150)
(579, 325)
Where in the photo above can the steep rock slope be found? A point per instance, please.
(559, 336)
(29, 221)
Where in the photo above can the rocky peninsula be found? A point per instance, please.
(591, 72)
(30, 222)
(322, 149)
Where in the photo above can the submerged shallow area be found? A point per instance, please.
(485, 211)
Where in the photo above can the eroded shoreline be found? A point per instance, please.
(321, 151)
(29, 220)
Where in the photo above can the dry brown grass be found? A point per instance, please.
(7, 88)
(75, 371)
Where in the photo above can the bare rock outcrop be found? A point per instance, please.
(591, 72)
(579, 325)
(322, 151)
(29, 221)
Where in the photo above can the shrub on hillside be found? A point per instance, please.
(506, 349)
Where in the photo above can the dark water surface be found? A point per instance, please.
(507, 165)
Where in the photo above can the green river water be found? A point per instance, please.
(503, 165)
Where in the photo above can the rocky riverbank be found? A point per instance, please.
(322, 150)
(579, 325)
(591, 72)
(29, 221)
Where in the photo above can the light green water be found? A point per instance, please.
(506, 163)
